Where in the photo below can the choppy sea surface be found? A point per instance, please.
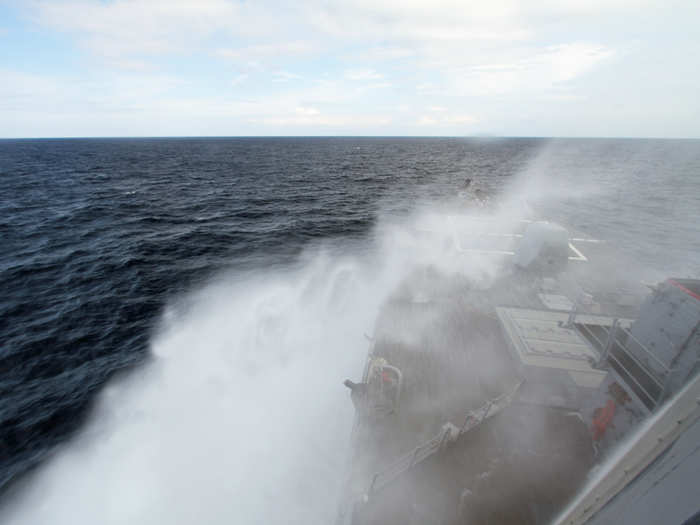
(223, 287)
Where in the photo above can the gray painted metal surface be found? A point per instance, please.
(653, 477)
(556, 361)
(668, 321)
(667, 492)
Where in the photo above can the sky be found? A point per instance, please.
(79, 68)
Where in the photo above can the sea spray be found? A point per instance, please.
(241, 415)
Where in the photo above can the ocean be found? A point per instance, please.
(177, 315)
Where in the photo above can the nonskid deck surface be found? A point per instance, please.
(453, 360)
(443, 332)
(519, 468)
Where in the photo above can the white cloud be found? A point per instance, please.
(265, 51)
(307, 112)
(541, 71)
(447, 120)
(379, 85)
(132, 26)
(426, 86)
(156, 27)
(239, 79)
(50, 94)
(386, 53)
(363, 74)
(346, 120)
(565, 62)
(460, 119)
(179, 59)
(284, 76)
(161, 26)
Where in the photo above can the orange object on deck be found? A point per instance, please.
(603, 417)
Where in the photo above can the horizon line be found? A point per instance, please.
(549, 137)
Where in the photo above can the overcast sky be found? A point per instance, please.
(353, 67)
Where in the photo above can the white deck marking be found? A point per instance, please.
(579, 255)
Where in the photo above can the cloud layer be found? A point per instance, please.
(220, 67)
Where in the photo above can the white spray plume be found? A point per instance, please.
(241, 416)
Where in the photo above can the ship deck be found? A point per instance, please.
(443, 332)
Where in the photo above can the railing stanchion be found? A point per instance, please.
(374, 480)
(609, 343)
(572, 315)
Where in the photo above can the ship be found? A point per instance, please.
(545, 393)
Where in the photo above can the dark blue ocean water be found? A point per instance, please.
(99, 235)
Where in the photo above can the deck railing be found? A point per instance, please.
(448, 434)
(630, 357)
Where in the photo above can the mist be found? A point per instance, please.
(240, 416)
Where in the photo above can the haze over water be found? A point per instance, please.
(232, 281)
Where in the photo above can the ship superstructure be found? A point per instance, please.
(512, 392)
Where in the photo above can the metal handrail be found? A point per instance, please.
(405, 462)
(430, 447)
(613, 331)
(641, 364)
(654, 401)
(646, 350)
(582, 325)
(609, 343)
